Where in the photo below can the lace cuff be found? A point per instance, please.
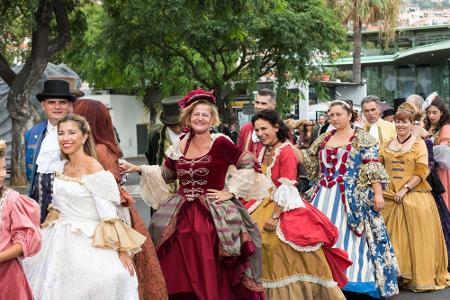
(287, 195)
(114, 234)
(248, 184)
(52, 216)
(153, 187)
(372, 172)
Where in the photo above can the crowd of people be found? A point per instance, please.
(283, 210)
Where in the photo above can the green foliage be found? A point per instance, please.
(180, 44)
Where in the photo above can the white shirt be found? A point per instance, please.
(174, 137)
(373, 130)
(49, 159)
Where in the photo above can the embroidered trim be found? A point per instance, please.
(280, 235)
(68, 178)
(274, 284)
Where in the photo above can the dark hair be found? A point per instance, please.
(274, 119)
(99, 119)
(347, 105)
(268, 92)
(445, 117)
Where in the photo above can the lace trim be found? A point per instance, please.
(3, 203)
(274, 284)
(254, 206)
(274, 159)
(399, 153)
(280, 235)
(68, 178)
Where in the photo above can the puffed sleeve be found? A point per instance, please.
(25, 219)
(311, 159)
(371, 170)
(230, 151)
(111, 232)
(286, 194)
(421, 169)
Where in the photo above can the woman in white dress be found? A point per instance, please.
(86, 246)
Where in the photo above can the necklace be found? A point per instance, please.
(401, 143)
(72, 169)
(271, 149)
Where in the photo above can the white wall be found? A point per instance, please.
(352, 92)
(126, 112)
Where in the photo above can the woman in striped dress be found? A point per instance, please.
(344, 162)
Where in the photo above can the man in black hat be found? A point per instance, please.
(162, 137)
(42, 151)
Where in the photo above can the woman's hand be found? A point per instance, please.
(271, 224)
(216, 195)
(126, 167)
(127, 262)
(378, 202)
(399, 195)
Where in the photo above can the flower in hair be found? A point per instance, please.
(198, 94)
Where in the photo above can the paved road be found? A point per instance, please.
(132, 187)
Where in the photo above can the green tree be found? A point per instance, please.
(179, 44)
(31, 31)
(357, 13)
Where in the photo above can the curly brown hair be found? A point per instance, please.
(445, 117)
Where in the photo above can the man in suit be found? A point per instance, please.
(162, 137)
(378, 128)
(42, 151)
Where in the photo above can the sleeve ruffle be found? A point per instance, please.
(248, 184)
(372, 172)
(312, 165)
(154, 189)
(287, 195)
(114, 234)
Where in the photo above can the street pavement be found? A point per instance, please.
(132, 187)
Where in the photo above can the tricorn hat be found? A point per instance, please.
(56, 89)
(170, 110)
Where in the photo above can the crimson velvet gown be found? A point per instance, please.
(188, 246)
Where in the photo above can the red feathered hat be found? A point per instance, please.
(198, 94)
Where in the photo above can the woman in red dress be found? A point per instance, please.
(208, 246)
(151, 281)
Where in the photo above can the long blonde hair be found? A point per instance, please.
(83, 125)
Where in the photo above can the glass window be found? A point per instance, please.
(406, 81)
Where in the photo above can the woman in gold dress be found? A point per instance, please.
(410, 212)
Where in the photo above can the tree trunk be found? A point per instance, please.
(20, 111)
(152, 98)
(357, 51)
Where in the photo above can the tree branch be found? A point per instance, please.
(189, 62)
(6, 73)
(63, 27)
(243, 63)
(222, 58)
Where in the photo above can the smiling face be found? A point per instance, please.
(339, 117)
(71, 138)
(201, 118)
(434, 114)
(56, 109)
(266, 132)
(403, 126)
(2, 171)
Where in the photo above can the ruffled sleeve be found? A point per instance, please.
(311, 159)
(25, 219)
(246, 180)
(153, 187)
(111, 232)
(371, 170)
(286, 194)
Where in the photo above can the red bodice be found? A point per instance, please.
(206, 172)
